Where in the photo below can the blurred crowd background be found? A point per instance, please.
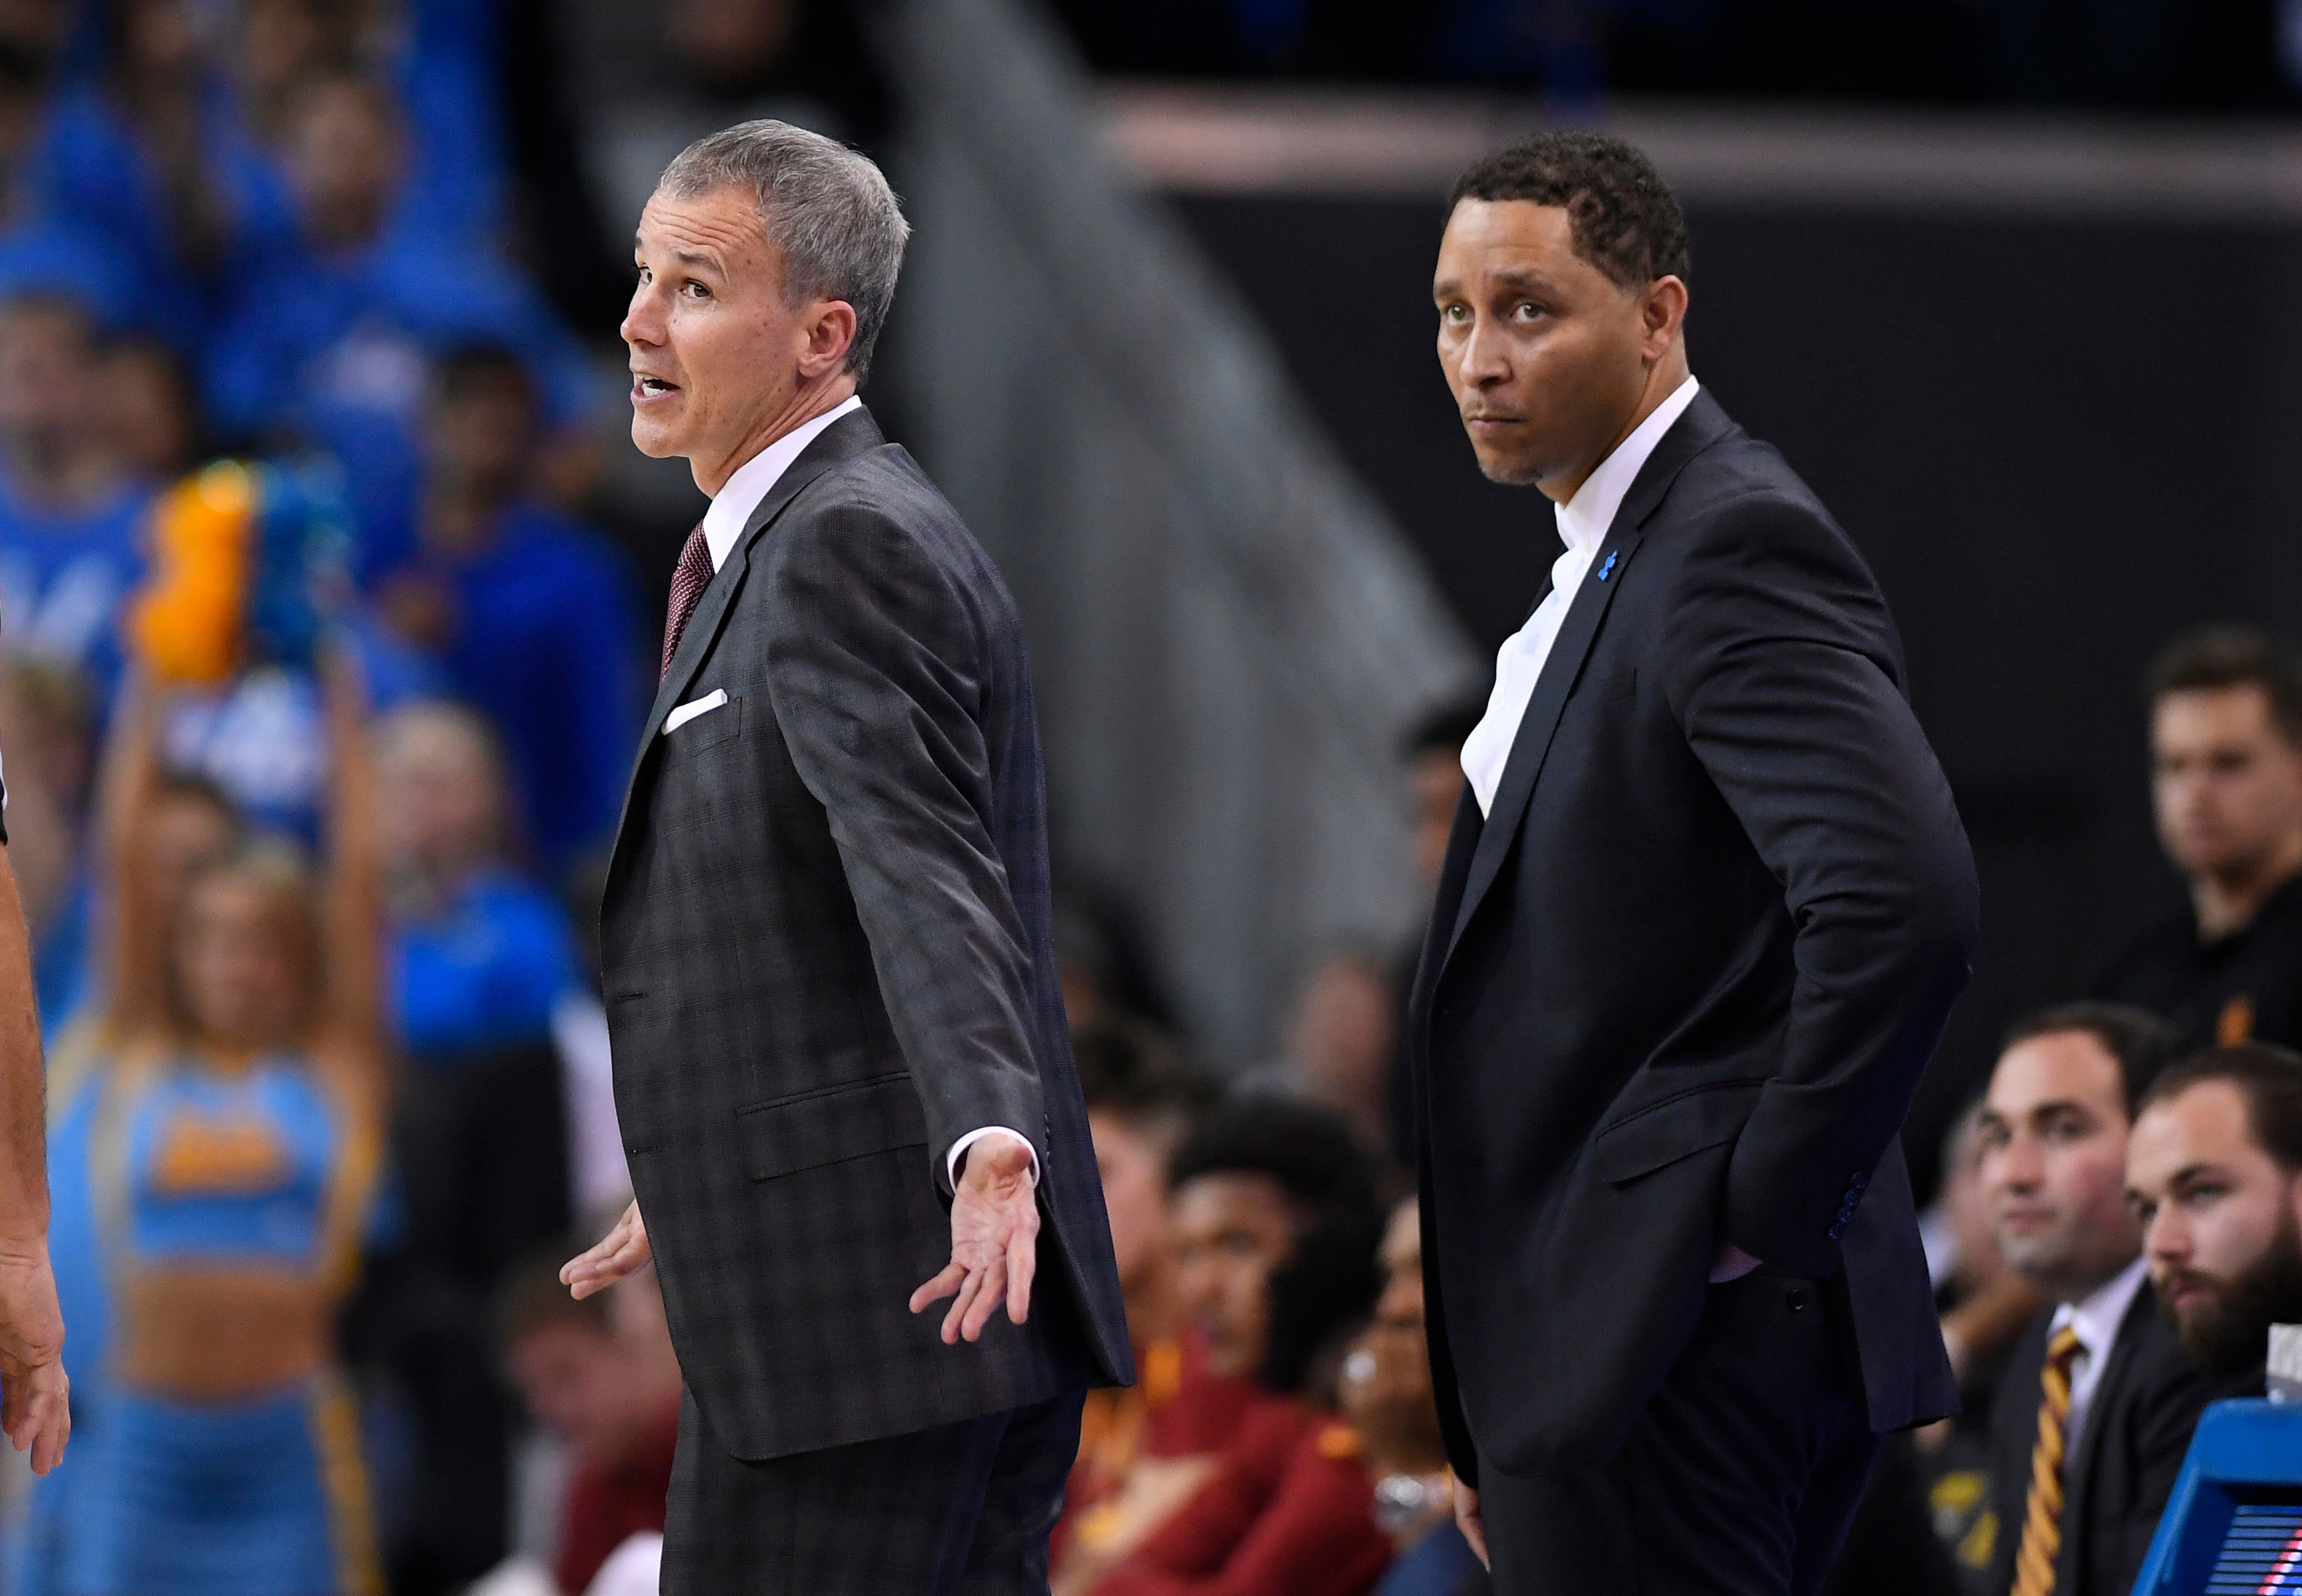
(330, 588)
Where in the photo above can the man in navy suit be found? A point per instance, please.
(1705, 908)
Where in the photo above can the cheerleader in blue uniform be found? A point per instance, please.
(232, 1153)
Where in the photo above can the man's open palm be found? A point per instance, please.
(35, 1397)
(995, 1236)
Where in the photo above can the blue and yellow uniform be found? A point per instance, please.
(266, 1174)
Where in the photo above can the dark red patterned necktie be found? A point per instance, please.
(689, 579)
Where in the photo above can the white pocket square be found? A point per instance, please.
(715, 698)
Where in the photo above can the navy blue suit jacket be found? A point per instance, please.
(1681, 984)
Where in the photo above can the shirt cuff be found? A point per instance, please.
(959, 1151)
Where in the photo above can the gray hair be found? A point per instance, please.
(827, 206)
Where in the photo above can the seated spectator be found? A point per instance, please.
(438, 57)
(2215, 1172)
(2096, 1405)
(331, 341)
(2226, 782)
(480, 957)
(150, 157)
(1985, 1306)
(1434, 790)
(530, 615)
(69, 517)
(479, 963)
(600, 1374)
(1141, 1100)
(1285, 1508)
(1341, 1037)
(152, 409)
(1387, 1394)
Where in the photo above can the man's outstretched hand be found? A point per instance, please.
(622, 1250)
(995, 1234)
(35, 1397)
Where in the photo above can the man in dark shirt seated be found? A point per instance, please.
(2094, 1410)
(2214, 1173)
(1386, 1393)
(601, 1375)
(2226, 780)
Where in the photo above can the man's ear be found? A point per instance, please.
(1663, 309)
(829, 329)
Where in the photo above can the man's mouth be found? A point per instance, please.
(2187, 1288)
(653, 387)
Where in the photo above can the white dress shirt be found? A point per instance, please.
(1583, 522)
(740, 494)
(731, 510)
(2097, 1319)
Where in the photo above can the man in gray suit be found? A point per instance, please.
(840, 1057)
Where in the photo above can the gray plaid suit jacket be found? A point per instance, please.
(828, 955)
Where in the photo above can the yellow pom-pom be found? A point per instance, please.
(189, 618)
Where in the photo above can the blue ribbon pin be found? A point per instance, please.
(1608, 569)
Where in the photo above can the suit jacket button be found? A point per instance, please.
(1833, 1233)
(1860, 1180)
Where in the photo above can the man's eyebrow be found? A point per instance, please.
(686, 257)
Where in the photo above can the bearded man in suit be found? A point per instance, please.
(841, 1063)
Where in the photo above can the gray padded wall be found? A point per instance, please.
(1230, 636)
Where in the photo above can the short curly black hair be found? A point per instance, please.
(1308, 1149)
(1624, 219)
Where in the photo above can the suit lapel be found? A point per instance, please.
(845, 438)
(850, 435)
(1531, 745)
(2117, 1368)
(1703, 424)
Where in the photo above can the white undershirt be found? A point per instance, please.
(2096, 1318)
(1583, 522)
(730, 512)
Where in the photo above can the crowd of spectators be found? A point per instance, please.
(310, 887)
(311, 913)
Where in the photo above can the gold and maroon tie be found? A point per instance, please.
(689, 579)
(2042, 1520)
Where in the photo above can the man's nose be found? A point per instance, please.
(1483, 361)
(2166, 1236)
(643, 320)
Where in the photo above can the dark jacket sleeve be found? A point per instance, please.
(2148, 1417)
(877, 671)
(1779, 671)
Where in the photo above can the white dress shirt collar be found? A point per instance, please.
(1586, 519)
(2096, 1318)
(732, 506)
(1583, 522)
